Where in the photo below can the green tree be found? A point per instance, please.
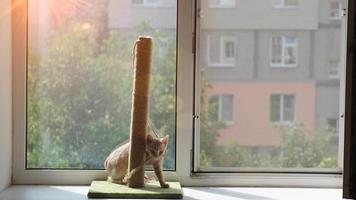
(302, 149)
(79, 98)
(230, 155)
(209, 126)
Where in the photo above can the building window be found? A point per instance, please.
(335, 10)
(282, 108)
(222, 3)
(284, 51)
(222, 51)
(223, 108)
(153, 3)
(285, 3)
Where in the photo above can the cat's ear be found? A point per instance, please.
(149, 138)
(164, 140)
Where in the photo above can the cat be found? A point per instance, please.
(116, 164)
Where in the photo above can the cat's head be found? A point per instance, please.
(156, 147)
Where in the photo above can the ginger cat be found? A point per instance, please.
(116, 164)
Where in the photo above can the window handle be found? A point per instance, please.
(343, 12)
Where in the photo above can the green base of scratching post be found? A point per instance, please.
(152, 190)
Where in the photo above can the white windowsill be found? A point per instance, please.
(190, 193)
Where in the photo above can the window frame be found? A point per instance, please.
(282, 108)
(222, 38)
(223, 43)
(21, 175)
(247, 177)
(187, 118)
(283, 53)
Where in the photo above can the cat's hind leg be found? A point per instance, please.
(117, 177)
(121, 181)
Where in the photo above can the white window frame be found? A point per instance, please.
(281, 109)
(19, 63)
(222, 5)
(282, 5)
(147, 3)
(223, 61)
(185, 124)
(284, 53)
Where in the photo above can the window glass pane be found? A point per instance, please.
(288, 108)
(229, 49)
(288, 80)
(288, 101)
(80, 79)
(275, 108)
(290, 56)
(290, 41)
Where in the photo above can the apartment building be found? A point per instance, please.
(281, 66)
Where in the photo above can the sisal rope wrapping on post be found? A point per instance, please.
(139, 111)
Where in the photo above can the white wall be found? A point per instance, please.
(5, 95)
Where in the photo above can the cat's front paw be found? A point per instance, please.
(165, 185)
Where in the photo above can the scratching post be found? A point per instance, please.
(139, 113)
(138, 133)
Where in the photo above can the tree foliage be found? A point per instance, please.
(299, 148)
(79, 97)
